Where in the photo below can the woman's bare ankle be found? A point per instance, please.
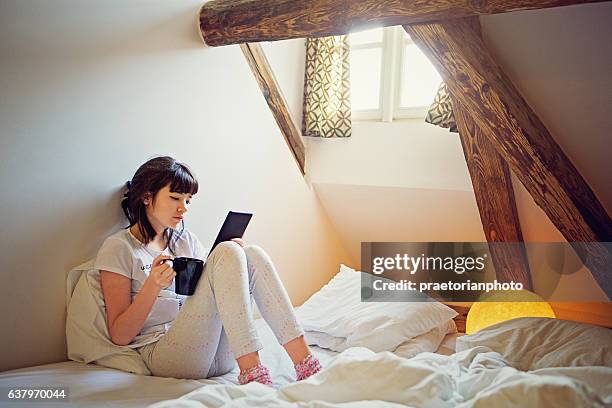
(248, 361)
(297, 349)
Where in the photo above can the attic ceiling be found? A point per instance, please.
(498, 129)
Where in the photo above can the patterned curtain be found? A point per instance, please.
(441, 110)
(327, 106)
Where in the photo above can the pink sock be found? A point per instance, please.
(258, 373)
(307, 367)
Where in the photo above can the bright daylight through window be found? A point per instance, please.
(390, 77)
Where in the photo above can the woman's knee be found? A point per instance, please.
(255, 251)
(227, 249)
(228, 246)
(225, 261)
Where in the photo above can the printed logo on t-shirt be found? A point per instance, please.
(146, 267)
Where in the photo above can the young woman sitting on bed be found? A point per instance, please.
(198, 336)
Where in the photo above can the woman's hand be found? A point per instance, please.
(161, 274)
(239, 241)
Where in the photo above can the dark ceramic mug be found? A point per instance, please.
(188, 272)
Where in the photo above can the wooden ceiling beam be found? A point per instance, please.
(477, 83)
(495, 199)
(224, 22)
(494, 195)
(260, 67)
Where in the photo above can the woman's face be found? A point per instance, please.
(167, 209)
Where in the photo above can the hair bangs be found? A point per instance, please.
(183, 181)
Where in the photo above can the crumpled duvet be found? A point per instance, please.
(477, 377)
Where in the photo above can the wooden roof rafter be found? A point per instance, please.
(479, 86)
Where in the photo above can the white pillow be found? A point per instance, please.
(324, 340)
(337, 310)
(531, 343)
(87, 336)
(426, 342)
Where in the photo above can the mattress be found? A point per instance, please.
(89, 385)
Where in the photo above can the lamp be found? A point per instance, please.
(505, 305)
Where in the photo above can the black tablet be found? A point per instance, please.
(233, 227)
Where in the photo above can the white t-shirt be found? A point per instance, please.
(124, 254)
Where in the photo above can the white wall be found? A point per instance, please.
(90, 90)
(287, 60)
(405, 181)
(406, 153)
(396, 214)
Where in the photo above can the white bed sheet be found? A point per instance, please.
(448, 345)
(474, 378)
(92, 386)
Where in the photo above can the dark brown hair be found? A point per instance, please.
(151, 177)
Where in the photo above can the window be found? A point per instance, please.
(390, 77)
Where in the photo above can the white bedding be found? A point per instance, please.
(92, 386)
(335, 317)
(476, 377)
(448, 345)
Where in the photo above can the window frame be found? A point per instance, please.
(392, 63)
(400, 112)
(372, 114)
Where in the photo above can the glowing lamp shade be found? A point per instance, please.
(490, 309)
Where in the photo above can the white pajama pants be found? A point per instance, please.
(215, 325)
